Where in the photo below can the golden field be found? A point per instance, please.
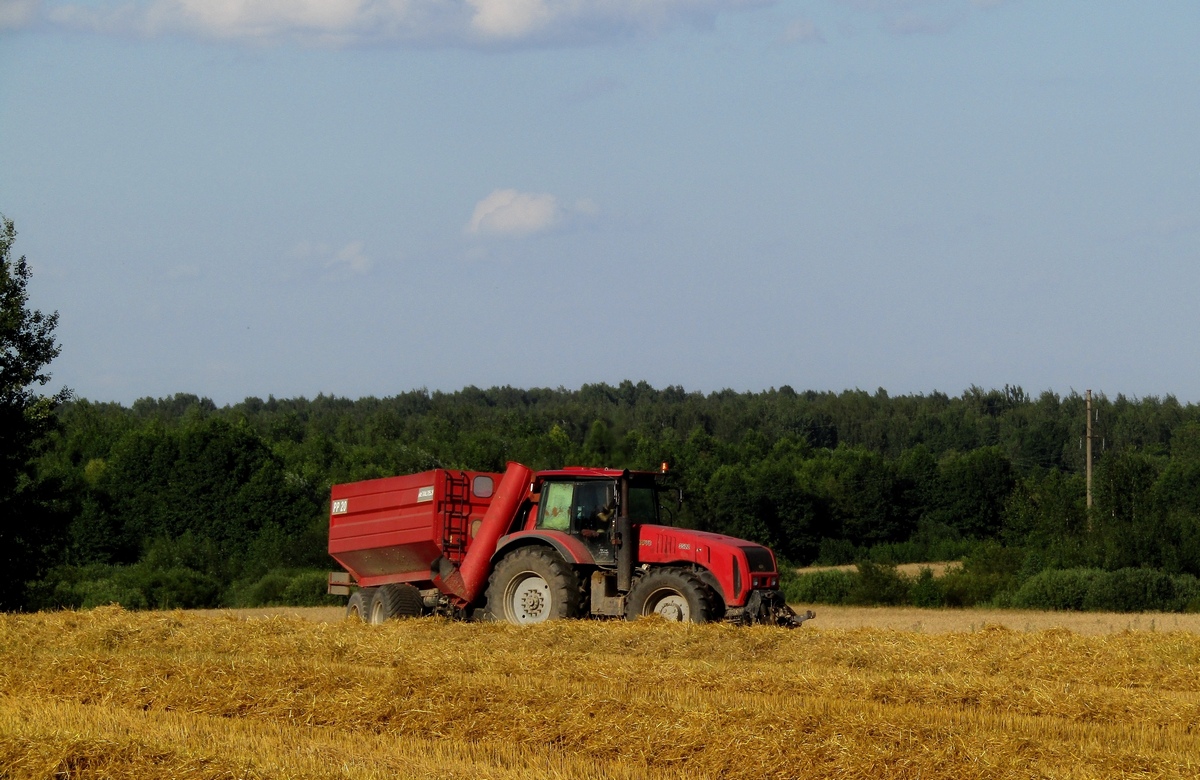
(110, 693)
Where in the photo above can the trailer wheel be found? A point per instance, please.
(359, 605)
(674, 594)
(531, 585)
(395, 601)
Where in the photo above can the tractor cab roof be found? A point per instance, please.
(591, 472)
(574, 472)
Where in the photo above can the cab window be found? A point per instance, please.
(577, 506)
(554, 509)
(595, 503)
(643, 504)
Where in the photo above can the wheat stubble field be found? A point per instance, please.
(110, 693)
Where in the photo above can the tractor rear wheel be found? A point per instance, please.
(395, 601)
(675, 594)
(359, 605)
(531, 585)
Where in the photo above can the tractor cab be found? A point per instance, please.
(586, 502)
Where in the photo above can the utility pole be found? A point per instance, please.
(1089, 455)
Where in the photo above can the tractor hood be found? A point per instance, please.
(738, 566)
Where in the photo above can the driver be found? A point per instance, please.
(598, 510)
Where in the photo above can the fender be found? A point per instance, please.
(571, 549)
(710, 579)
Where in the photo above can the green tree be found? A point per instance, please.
(215, 480)
(972, 490)
(28, 517)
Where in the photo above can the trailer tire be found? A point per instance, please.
(531, 585)
(674, 594)
(395, 601)
(359, 605)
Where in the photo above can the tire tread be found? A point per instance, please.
(559, 575)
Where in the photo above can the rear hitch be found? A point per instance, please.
(798, 620)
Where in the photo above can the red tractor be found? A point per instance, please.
(526, 547)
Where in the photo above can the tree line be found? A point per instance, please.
(175, 501)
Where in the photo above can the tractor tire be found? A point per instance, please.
(359, 605)
(531, 585)
(395, 601)
(674, 594)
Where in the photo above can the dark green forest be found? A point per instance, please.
(178, 502)
(175, 502)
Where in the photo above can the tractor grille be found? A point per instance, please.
(759, 559)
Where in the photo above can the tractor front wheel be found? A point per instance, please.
(675, 594)
(531, 585)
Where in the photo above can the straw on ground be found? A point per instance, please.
(187, 695)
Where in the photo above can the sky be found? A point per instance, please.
(239, 198)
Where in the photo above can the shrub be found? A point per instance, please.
(926, 590)
(988, 572)
(283, 588)
(1130, 590)
(88, 594)
(837, 552)
(1187, 593)
(309, 589)
(176, 588)
(892, 553)
(920, 550)
(1056, 589)
(879, 584)
(820, 587)
(133, 587)
(991, 558)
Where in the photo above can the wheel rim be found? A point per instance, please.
(377, 614)
(670, 605)
(528, 599)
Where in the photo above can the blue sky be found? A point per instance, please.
(362, 197)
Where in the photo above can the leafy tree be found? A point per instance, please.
(972, 489)
(213, 479)
(27, 513)
(1127, 523)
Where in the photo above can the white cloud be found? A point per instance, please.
(351, 22)
(15, 14)
(803, 31)
(512, 213)
(509, 18)
(321, 22)
(349, 259)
